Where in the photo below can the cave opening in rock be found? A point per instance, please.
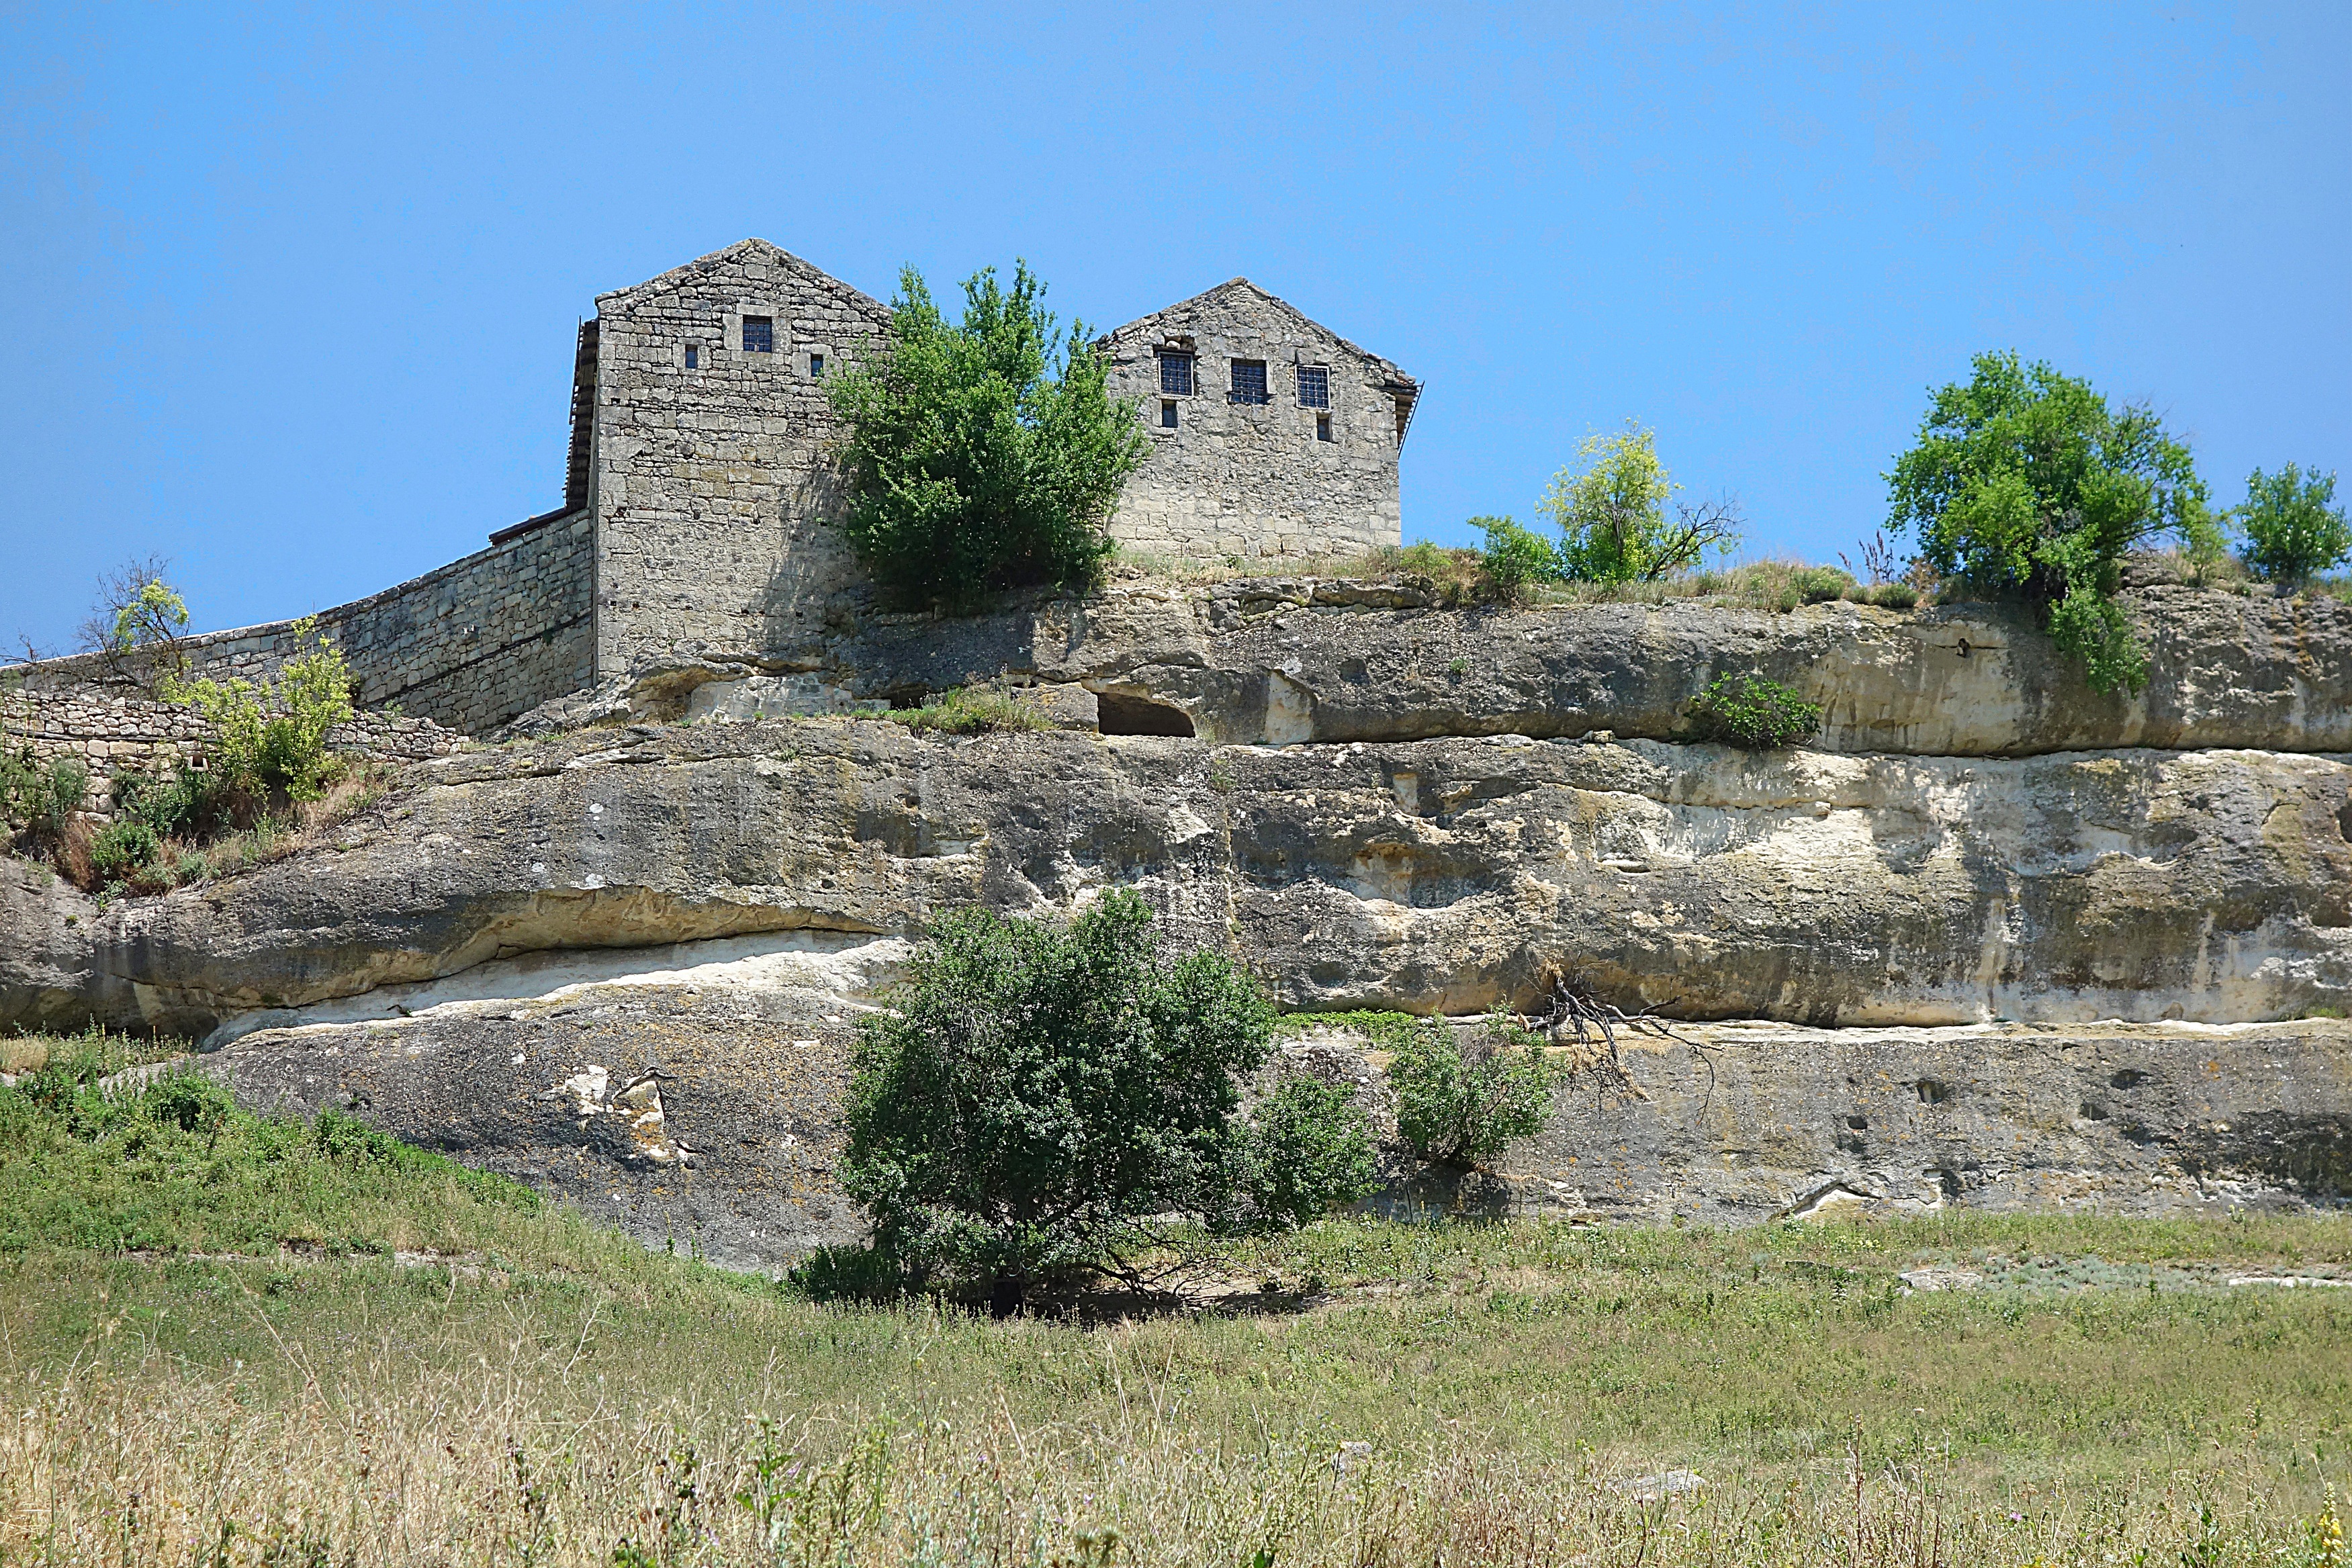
(1140, 715)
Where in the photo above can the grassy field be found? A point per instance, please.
(228, 1341)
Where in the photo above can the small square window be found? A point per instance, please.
(759, 335)
(693, 358)
(816, 367)
(1168, 414)
(1249, 381)
(1176, 374)
(1313, 387)
(1322, 428)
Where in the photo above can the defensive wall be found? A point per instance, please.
(468, 645)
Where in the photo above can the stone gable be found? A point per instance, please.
(1232, 475)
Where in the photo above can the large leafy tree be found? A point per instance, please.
(1043, 1099)
(2027, 485)
(983, 454)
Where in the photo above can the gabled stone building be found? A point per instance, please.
(700, 429)
(701, 497)
(699, 436)
(1271, 435)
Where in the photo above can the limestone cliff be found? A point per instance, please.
(624, 961)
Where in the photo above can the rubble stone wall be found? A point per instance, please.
(116, 732)
(468, 645)
(1242, 479)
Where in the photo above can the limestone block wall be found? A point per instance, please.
(116, 732)
(468, 645)
(1253, 479)
(714, 492)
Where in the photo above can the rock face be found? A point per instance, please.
(1444, 875)
(1283, 661)
(625, 963)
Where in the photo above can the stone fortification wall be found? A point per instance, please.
(713, 488)
(113, 732)
(470, 645)
(1242, 479)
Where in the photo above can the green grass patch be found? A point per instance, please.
(215, 1350)
(974, 710)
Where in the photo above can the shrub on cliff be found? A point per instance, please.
(2027, 485)
(1516, 558)
(982, 453)
(1461, 1106)
(1042, 1100)
(2292, 533)
(270, 737)
(38, 798)
(1612, 520)
(1753, 712)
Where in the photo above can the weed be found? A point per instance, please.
(975, 710)
(1754, 712)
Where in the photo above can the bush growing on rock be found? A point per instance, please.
(2293, 535)
(37, 799)
(1045, 1099)
(2026, 485)
(1612, 515)
(1751, 711)
(1461, 1106)
(269, 738)
(982, 455)
(975, 710)
(1515, 557)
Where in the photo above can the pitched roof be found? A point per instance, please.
(742, 250)
(1142, 325)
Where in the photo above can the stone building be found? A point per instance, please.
(700, 419)
(1271, 435)
(701, 500)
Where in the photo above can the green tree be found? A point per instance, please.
(2292, 533)
(1612, 515)
(136, 623)
(1461, 1107)
(2026, 485)
(1043, 1099)
(983, 453)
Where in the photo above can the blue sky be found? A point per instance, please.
(295, 287)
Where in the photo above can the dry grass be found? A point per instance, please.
(1460, 578)
(298, 826)
(355, 1411)
(537, 1390)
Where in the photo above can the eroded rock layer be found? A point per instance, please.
(1450, 876)
(1287, 661)
(624, 961)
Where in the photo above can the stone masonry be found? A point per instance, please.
(713, 491)
(117, 733)
(1271, 435)
(468, 645)
(701, 495)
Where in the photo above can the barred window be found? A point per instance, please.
(1314, 386)
(759, 335)
(1249, 381)
(1176, 374)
